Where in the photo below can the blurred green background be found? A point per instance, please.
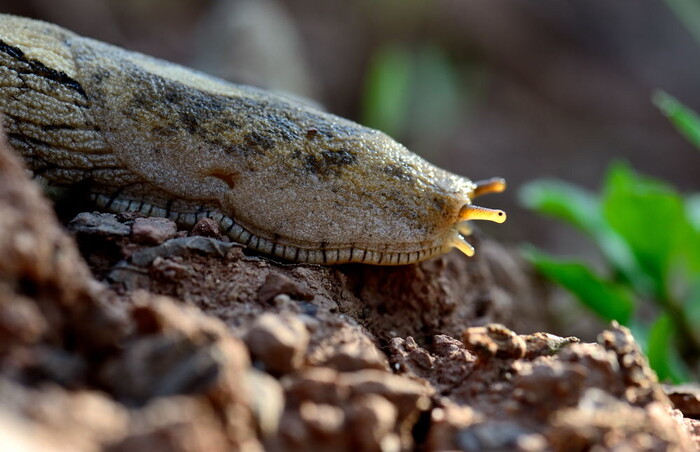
(522, 89)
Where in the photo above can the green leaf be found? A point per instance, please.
(567, 202)
(691, 310)
(658, 347)
(688, 13)
(650, 217)
(686, 120)
(663, 356)
(608, 300)
(386, 93)
(692, 206)
(640, 331)
(582, 209)
(691, 239)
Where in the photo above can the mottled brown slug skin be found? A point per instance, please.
(279, 176)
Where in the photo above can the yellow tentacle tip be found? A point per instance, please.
(470, 212)
(493, 185)
(463, 246)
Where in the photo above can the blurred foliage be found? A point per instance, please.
(649, 236)
(385, 101)
(685, 119)
(688, 13)
(417, 93)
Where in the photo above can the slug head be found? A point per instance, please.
(470, 212)
(363, 194)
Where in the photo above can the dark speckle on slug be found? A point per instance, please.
(164, 131)
(339, 157)
(399, 171)
(336, 130)
(172, 95)
(190, 122)
(281, 125)
(252, 143)
(328, 162)
(441, 205)
(100, 76)
(260, 141)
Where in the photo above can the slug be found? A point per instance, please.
(280, 177)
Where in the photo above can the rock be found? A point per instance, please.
(181, 424)
(96, 223)
(206, 227)
(276, 284)
(21, 321)
(278, 342)
(498, 435)
(407, 396)
(448, 365)
(600, 420)
(318, 384)
(373, 419)
(352, 356)
(182, 246)
(266, 401)
(322, 419)
(685, 397)
(545, 344)
(38, 259)
(408, 356)
(494, 340)
(693, 427)
(641, 384)
(48, 299)
(446, 421)
(372, 408)
(176, 350)
(52, 418)
(153, 231)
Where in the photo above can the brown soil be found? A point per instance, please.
(158, 339)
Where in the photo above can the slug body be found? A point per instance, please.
(279, 176)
